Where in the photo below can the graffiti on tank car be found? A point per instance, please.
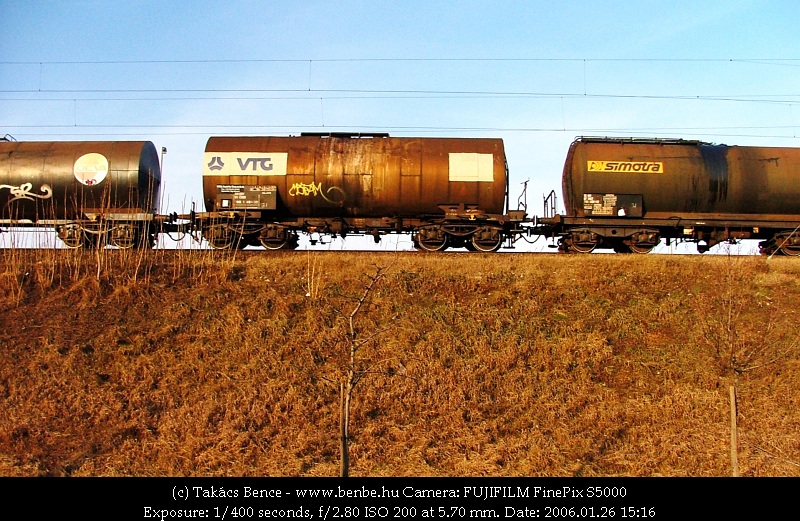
(333, 195)
(23, 191)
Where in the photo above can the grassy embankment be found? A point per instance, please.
(200, 363)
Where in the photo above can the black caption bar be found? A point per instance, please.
(329, 499)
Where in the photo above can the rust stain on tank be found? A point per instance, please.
(64, 179)
(343, 176)
(697, 178)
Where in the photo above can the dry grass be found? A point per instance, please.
(195, 363)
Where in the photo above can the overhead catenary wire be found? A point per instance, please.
(75, 96)
(378, 94)
(758, 61)
(356, 93)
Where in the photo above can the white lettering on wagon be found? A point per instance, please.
(245, 163)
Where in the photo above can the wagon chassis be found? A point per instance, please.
(459, 226)
(121, 231)
(641, 235)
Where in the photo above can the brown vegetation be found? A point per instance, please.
(178, 363)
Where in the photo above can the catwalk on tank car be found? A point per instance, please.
(446, 192)
(91, 193)
(629, 194)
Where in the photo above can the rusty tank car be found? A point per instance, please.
(90, 192)
(447, 192)
(628, 194)
(623, 194)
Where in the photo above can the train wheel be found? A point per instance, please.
(487, 239)
(431, 245)
(279, 238)
(71, 235)
(275, 244)
(124, 236)
(582, 241)
(789, 245)
(219, 237)
(792, 250)
(582, 247)
(431, 239)
(636, 248)
(644, 242)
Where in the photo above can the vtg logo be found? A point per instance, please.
(216, 163)
(244, 162)
(258, 163)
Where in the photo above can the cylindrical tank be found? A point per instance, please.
(677, 178)
(353, 176)
(64, 180)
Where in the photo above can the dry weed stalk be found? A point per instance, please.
(313, 276)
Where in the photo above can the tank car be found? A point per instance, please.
(89, 192)
(447, 192)
(628, 194)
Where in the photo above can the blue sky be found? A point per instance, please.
(535, 73)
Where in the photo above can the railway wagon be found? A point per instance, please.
(445, 191)
(628, 194)
(90, 192)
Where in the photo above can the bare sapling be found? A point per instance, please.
(354, 366)
(741, 345)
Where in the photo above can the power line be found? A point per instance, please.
(311, 94)
(382, 94)
(523, 129)
(795, 62)
(238, 129)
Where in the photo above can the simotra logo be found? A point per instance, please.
(257, 163)
(640, 167)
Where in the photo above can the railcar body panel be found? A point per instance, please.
(628, 194)
(57, 181)
(353, 177)
(680, 179)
